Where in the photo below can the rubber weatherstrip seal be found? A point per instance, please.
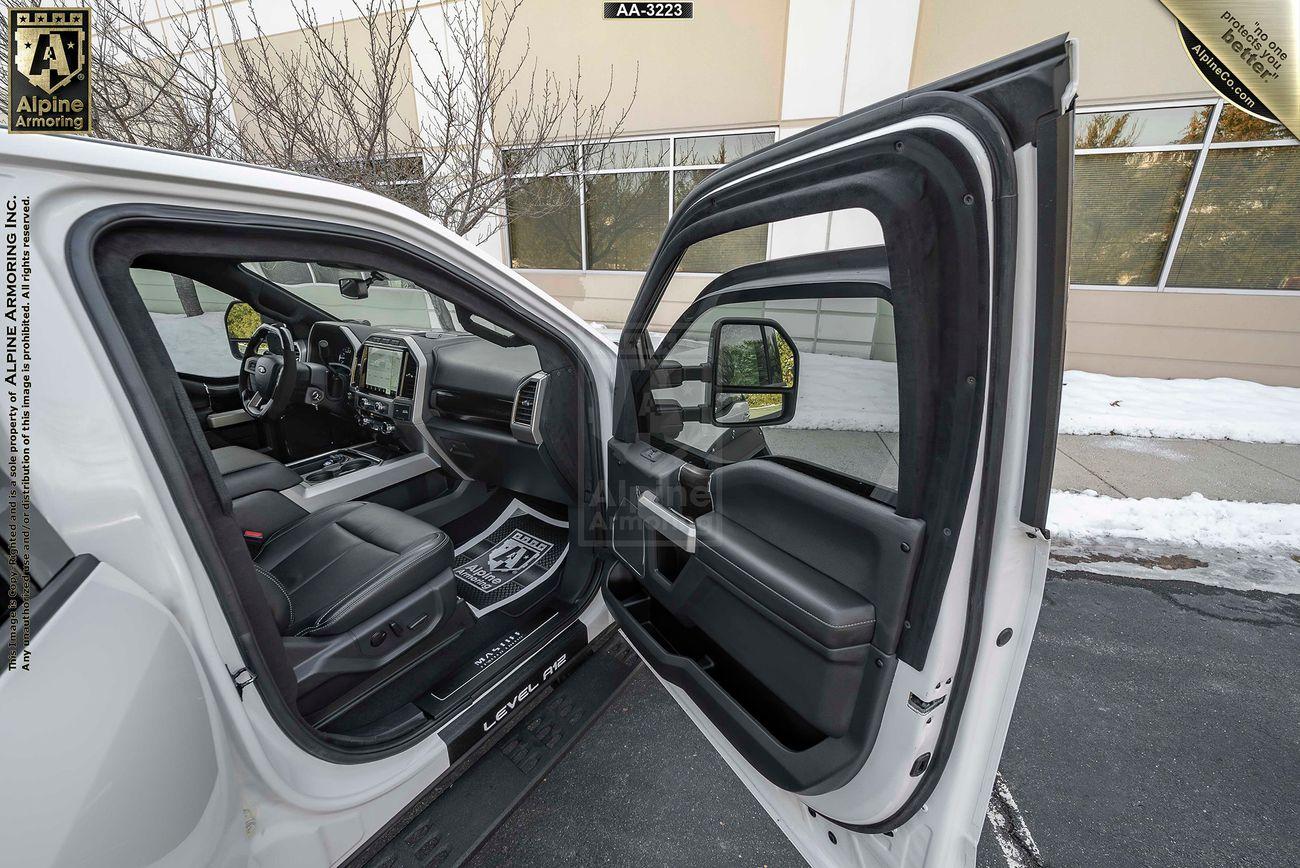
(998, 385)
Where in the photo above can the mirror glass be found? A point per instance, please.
(241, 322)
(752, 354)
(736, 408)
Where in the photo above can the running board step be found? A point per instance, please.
(447, 830)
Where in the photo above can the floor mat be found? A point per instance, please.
(517, 552)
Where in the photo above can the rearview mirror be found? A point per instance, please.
(754, 366)
(354, 287)
(241, 322)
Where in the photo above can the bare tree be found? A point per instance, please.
(339, 100)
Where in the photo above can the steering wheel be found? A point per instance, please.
(266, 378)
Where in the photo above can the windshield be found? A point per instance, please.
(392, 301)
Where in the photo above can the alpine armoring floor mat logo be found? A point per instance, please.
(519, 551)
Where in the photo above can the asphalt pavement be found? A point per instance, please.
(643, 787)
(1157, 726)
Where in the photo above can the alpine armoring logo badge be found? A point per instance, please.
(49, 76)
(1247, 50)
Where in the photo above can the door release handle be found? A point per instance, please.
(675, 527)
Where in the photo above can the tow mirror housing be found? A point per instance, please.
(755, 371)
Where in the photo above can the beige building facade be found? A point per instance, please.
(1186, 259)
(1229, 321)
(778, 66)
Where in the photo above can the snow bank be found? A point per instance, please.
(197, 344)
(1193, 520)
(845, 393)
(1219, 409)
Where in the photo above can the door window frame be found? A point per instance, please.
(739, 286)
(906, 173)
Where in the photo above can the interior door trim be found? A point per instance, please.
(675, 527)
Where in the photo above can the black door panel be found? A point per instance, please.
(224, 396)
(197, 392)
(799, 595)
(785, 747)
(817, 548)
(779, 605)
(210, 396)
(816, 682)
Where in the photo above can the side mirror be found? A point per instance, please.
(755, 369)
(354, 287)
(241, 322)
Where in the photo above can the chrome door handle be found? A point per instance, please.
(675, 527)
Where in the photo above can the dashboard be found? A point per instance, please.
(471, 404)
(331, 343)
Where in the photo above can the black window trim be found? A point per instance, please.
(858, 272)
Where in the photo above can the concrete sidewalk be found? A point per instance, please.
(1110, 465)
(1154, 467)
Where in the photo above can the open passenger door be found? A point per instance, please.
(854, 648)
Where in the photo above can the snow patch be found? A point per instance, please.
(1218, 409)
(1143, 447)
(1193, 520)
(1233, 569)
(197, 344)
(846, 393)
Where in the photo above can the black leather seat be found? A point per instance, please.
(254, 482)
(340, 566)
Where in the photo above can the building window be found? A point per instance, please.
(1193, 197)
(626, 213)
(545, 223)
(604, 209)
(1125, 246)
(1243, 229)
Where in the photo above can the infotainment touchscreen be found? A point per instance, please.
(383, 370)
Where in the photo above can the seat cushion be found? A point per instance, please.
(245, 471)
(335, 568)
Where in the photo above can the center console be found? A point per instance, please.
(334, 464)
(354, 473)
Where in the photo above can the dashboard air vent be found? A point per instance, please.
(524, 416)
(524, 403)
